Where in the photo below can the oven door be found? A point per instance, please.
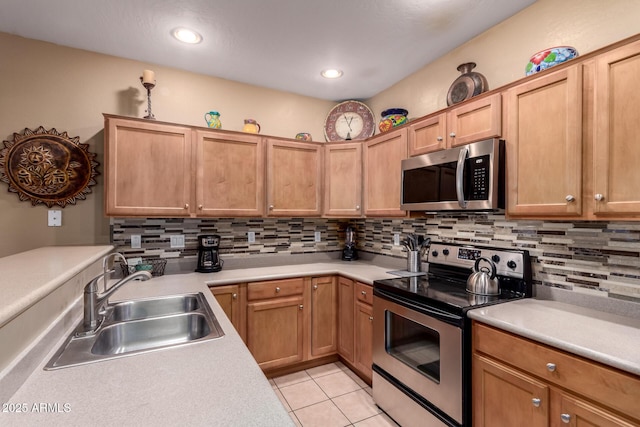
(421, 352)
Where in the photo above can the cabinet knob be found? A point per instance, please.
(277, 289)
(551, 367)
(363, 292)
(301, 306)
(570, 198)
(536, 402)
(452, 134)
(270, 207)
(566, 418)
(200, 207)
(439, 139)
(315, 287)
(234, 296)
(599, 197)
(370, 319)
(186, 205)
(357, 207)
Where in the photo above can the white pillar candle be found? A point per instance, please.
(148, 76)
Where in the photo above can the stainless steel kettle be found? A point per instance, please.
(483, 280)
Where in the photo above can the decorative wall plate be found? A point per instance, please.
(48, 167)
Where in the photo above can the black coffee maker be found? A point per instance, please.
(349, 253)
(208, 257)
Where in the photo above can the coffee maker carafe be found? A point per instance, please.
(349, 253)
(208, 257)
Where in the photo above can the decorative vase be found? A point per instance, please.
(468, 85)
(213, 119)
(391, 118)
(549, 57)
(251, 126)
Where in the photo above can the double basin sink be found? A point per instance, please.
(137, 326)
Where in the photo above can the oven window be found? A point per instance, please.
(413, 344)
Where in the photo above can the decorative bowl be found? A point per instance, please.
(392, 117)
(549, 57)
(304, 136)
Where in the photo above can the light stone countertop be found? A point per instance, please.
(607, 338)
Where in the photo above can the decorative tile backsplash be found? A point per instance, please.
(597, 258)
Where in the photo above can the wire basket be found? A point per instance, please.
(157, 267)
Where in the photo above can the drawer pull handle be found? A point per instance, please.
(536, 402)
(300, 306)
(363, 292)
(551, 367)
(566, 418)
(234, 296)
(277, 290)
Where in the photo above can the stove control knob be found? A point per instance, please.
(511, 264)
(445, 252)
(434, 253)
(495, 258)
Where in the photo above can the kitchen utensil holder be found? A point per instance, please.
(413, 261)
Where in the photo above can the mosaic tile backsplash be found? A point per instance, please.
(597, 258)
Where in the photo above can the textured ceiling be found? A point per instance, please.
(279, 44)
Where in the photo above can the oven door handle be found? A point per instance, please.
(462, 156)
(429, 311)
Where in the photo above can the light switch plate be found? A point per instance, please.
(136, 241)
(318, 236)
(54, 218)
(251, 236)
(177, 241)
(396, 239)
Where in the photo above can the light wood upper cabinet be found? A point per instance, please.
(474, 121)
(382, 169)
(616, 146)
(230, 174)
(148, 168)
(294, 178)
(324, 316)
(343, 180)
(544, 145)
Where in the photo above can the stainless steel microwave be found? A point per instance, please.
(466, 178)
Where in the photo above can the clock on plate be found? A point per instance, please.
(349, 120)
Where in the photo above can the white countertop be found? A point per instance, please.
(607, 338)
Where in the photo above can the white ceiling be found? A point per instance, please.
(279, 44)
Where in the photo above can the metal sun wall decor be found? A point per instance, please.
(48, 167)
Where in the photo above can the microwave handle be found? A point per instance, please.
(462, 156)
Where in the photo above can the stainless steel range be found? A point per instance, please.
(422, 335)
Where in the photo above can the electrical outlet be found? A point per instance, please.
(136, 241)
(54, 218)
(177, 241)
(396, 239)
(251, 236)
(318, 236)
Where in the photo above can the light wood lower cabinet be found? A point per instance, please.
(346, 317)
(363, 323)
(324, 316)
(232, 299)
(517, 381)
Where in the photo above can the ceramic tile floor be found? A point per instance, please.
(329, 396)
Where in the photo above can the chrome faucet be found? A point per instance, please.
(94, 302)
(107, 266)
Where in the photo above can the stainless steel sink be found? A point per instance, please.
(152, 307)
(139, 326)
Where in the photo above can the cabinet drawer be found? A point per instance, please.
(605, 385)
(274, 289)
(364, 293)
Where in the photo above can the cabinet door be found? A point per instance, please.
(324, 316)
(475, 121)
(364, 339)
(230, 298)
(575, 412)
(382, 169)
(346, 316)
(275, 333)
(505, 397)
(544, 145)
(230, 174)
(294, 178)
(617, 132)
(343, 180)
(428, 135)
(148, 168)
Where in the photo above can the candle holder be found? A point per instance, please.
(148, 86)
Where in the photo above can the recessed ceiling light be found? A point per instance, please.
(186, 35)
(331, 73)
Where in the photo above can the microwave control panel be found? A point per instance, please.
(478, 168)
